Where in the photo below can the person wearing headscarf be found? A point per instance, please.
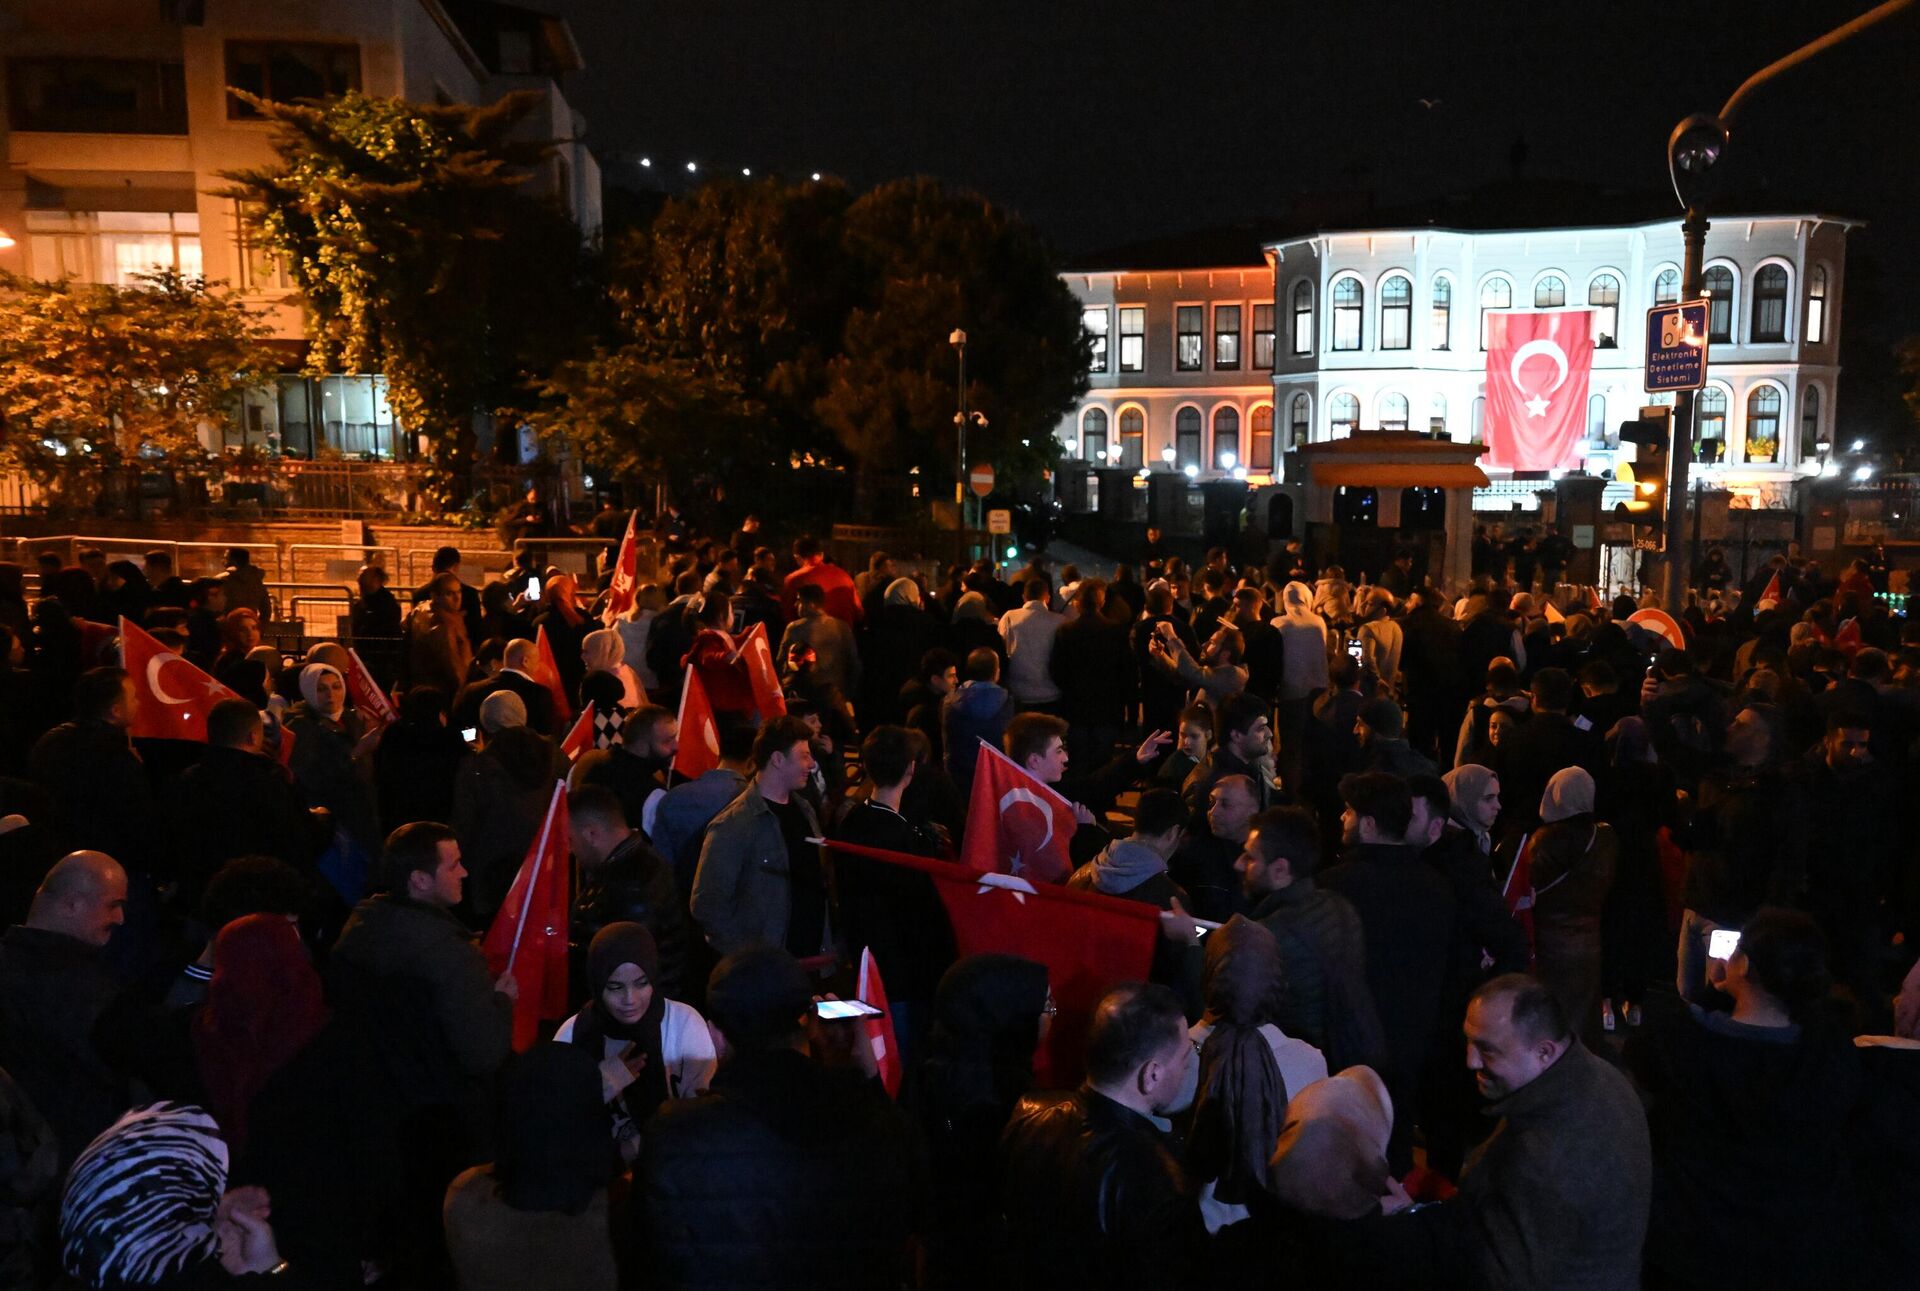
(605, 651)
(500, 797)
(1574, 856)
(538, 1215)
(897, 632)
(146, 1205)
(326, 754)
(567, 626)
(636, 627)
(263, 1006)
(1247, 1068)
(975, 626)
(649, 1048)
(126, 592)
(990, 1014)
(1303, 673)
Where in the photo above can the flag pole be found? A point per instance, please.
(539, 859)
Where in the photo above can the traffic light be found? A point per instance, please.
(1650, 436)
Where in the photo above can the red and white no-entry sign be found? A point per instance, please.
(981, 479)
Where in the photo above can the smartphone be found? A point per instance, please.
(1354, 652)
(840, 1010)
(1722, 942)
(471, 734)
(533, 589)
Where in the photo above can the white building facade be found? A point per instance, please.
(1385, 330)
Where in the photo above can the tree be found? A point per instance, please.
(93, 370)
(400, 225)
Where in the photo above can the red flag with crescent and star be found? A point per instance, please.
(1538, 366)
(549, 676)
(368, 699)
(1089, 942)
(699, 750)
(626, 573)
(762, 677)
(886, 1048)
(1015, 824)
(528, 936)
(175, 696)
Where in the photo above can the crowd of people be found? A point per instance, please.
(1502, 941)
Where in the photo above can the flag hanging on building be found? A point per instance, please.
(1538, 366)
(174, 697)
(1015, 824)
(699, 750)
(528, 936)
(365, 692)
(762, 676)
(550, 678)
(879, 1031)
(1089, 942)
(626, 574)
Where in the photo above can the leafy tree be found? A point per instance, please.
(400, 225)
(93, 370)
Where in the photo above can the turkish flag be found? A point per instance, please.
(768, 699)
(1770, 596)
(174, 696)
(529, 934)
(1662, 625)
(699, 750)
(1537, 370)
(580, 738)
(626, 573)
(886, 1049)
(1088, 941)
(549, 676)
(1015, 824)
(366, 693)
(1517, 891)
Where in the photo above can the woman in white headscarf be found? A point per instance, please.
(327, 738)
(1303, 644)
(1573, 857)
(606, 651)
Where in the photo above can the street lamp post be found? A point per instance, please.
(1692, 149)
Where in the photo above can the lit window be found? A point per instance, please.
(1603, 294)
(1349, 303)
(1093, 436)
(1817, 307)
(1393, 412)
(1095, 321)
(1226, 336)
(1763, 422)
(1263, 338)
(1300, 420)
(1226, 438)
(1718, 283)
(1666, 287)
(1343, 415)
(1260, 438)
(112, 247)
(1186, 438)
(1133, 438)
(1442, 319)
(1710, 423)
(1810, 423)
(1303, 318)
(1770, 303)
(1133, 338)
(1396, 313)
(1550, 292)
(1495, 294)
(1190, 343)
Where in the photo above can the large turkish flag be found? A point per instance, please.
(1015, 824)
(1537, 370)
(528, 935)
(175, 696)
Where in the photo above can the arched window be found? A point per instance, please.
(1666, 287)
(1299, 420)
(1260, 438)
(1186, 438)
(1349, 305)
(1437, 416)
(1763, 424)
(1440, 322)
(1603, 295)
(1343, 415)
(1810, 437)
(1479, 432)
(1226, 438)
(1495, 293)
(1093, 435)
(1303, 318)
(1597, 419)
(1710, 424)
(1393, 412)
(1718, 283)
(1817, 305)
(1550, 292)
(1133, 438)
(1770, 304)
(1396, 313)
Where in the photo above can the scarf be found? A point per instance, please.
(551, 1139)
(1466, 785)
(1331, 1158)
(1568, 794)
(602, 650)
(263, 1006)
(1296, 601)
(903, 591)
(615, 945)
(560, 596)
(140, 1200)
(1242, 1099)
(310, 689)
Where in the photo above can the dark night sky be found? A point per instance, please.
(1115, 121)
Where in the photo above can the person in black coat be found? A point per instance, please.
(517, 665)
(622, 880)
(897, 632)
(792, 1171)
(101, 796)
(1546, 743)
(1094, 669)
(415, 763)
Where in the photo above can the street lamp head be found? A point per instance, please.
(1692, 149)
(1192, 472)
(956, 338)
(1167, 455)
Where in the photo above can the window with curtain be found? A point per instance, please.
(1343, 415)
(1817, 305)
(1393, 412)
(1263, 337)
(1189, 339)
(1226, 336)
(1550, 292)
(1133, 438)
(1095, 321)
(1260, 438)
(1093, 435)
(1495, 293)
(1299, 420)
(1810, 423)
(1666, 287)
(112, 247)
(1303, 318)
(1186, 438)
(1133, 338)
(1763, 424)
(1226, 438)
(1710, 422)
(1718, 283)
(1441, 320)
(1603, 296)
(1349, 304)
(1396, 313)
(1770, 303)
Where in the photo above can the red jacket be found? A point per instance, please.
(843, 602)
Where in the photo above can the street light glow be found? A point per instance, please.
(1863, 473)
(747, 171)
(1859, 444)
(691, 167)
(1192, 471)
(646, 163)
(816, 176)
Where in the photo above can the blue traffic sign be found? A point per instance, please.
(1677, 346)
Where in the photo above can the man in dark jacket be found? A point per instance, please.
(976, 713)
(789, 1172)
(99, 788)
(1380, 732)
(54, 985)
(1094, 670)
(1545, 744)
(641, 765)
(517, 665)
(1430, 665)
(1406, 913)
(1094, 1195)
(1245, 739)
(623, 880)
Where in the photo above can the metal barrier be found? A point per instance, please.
(590, 549)
(418, 564)
(337, 568)
(337, 594)
(136, 549)
(219, 562)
